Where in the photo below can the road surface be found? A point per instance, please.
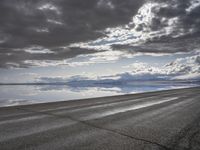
(164, 120)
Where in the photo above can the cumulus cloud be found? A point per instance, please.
(158, 27)
(126, 82)
(181, 68)
(184, 68)
(187, 68)
(193, 5)
(183, 72)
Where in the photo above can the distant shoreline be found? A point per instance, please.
(136, 81)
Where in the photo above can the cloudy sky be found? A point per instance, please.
(62, 40)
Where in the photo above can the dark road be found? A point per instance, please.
(164, 120)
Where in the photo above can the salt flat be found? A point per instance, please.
(163, 120)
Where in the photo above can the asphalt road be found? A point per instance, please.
(165, 120)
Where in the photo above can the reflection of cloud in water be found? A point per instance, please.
(23, 94)
(51, 87)
(76, 89)
(125, 88)
(12, 102)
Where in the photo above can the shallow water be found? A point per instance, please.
(27, 94)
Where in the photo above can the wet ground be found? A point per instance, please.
(164, 120)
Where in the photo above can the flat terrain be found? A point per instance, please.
(164, 120)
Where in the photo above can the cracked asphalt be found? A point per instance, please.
(164, 120)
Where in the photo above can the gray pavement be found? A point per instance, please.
(164, 120)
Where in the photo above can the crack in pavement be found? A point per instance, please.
(99, 127)
(191, 130)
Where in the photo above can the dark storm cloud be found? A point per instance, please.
(184, 29)
(16, 58)
(159, 26)
(56, 23)
(164, 46)
(53, 24)
(187, 11)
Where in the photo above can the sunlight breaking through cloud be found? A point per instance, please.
(145, 25)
